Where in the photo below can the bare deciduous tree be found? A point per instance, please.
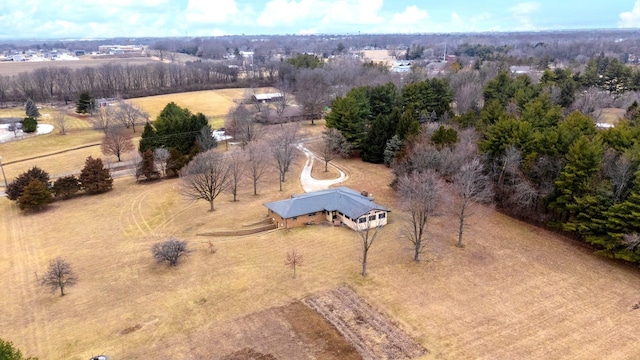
(293, 260)
(103, 119)
(161, 157)
(620, 171)
(241, 126)
(312, 92)
(469, 97)
(257, 162)
(367, 237)
(205, 177)
(170, 251)
(129, 115)
(472, 186)
(205, 139)
(237, 167)
(60, 120)
(283, 148)
(59, 275)
(421, 194)
(116, 143)
(333, 144)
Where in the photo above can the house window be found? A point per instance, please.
(382, 215)
(362, 220)
(312, 214)
(372, 217)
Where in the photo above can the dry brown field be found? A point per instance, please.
(514, 292)
(214, 104)
(9, 68)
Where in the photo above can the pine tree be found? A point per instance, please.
(86, 103)
(31, 109)
(36, 196)
(95, 178)
(148, 139)
(66, 186)
(147, 167)
(16, 187)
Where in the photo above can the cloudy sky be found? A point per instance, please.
(42, 19)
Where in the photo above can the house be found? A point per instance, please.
(338, 205)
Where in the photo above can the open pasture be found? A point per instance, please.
(9, 68)
(214, 104)
(514, 291)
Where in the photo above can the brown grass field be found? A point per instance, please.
(212, 103)
(514, 292)
(9, 68)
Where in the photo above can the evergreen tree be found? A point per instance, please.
(147, 139)
(147, 167)
(36, 196)
(9, 352)
(16, 187)
(381, 130)
(349, 114)
(66, 187)
(408, 125)
(391, 149)
(29, 125)
(577, 178)
(444, 137)
(178, 128)
(86, 104)
(94, 177)
(31, 109)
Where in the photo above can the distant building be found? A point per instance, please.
(401, 66)
(268, 97)
(518, 70)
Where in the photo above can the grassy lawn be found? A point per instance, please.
(514, 291)
(212, 103)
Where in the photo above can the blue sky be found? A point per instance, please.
(41, 19)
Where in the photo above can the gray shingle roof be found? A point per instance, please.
(343, 199)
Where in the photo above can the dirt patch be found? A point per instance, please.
(249, 354)
(318, 334)
(293, 331)
(131, 329)
(370, 332)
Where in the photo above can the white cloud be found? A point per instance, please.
(279, 12)
(522, 14)
(352, 12)
(630, 19)
(202, 11)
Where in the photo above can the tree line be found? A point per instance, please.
(528, 148)
(55, 84)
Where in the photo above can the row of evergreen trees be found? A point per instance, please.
(370, 116)
(33, 191)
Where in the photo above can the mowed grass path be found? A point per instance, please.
(515, 291)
